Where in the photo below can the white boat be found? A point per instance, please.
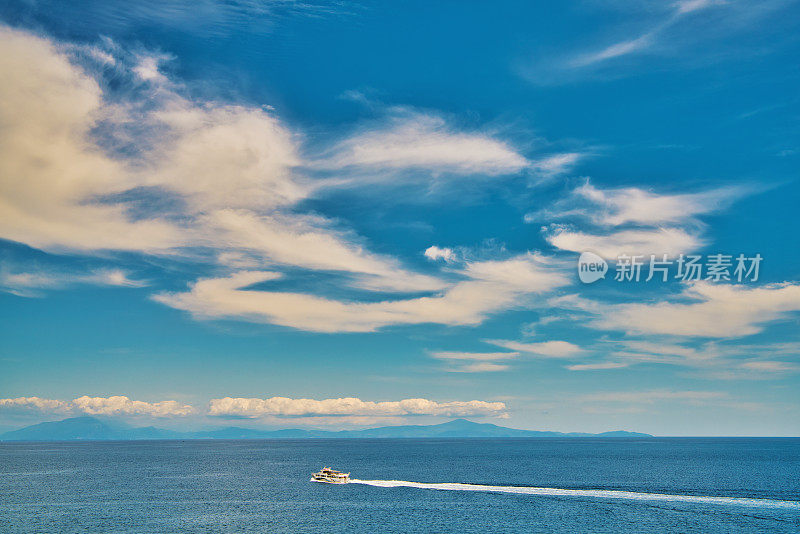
(331, 476)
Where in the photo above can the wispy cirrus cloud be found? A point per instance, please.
(479, 367)
(488, 287)
(687, 6)
(771, 366)
(406, 145)
(682, 33)
(556, 164)
(31, 282)
(615, 50)
(675, 14)
(643, 242)
(479, 362)
(633, 220)
(703, 309)
(309, 242)
(597, 366)
(475, 362)
(633, 205)
(714, 359)
(411, 139)
(474, 356)
(545, 349)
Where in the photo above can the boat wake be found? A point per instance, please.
(586, 493)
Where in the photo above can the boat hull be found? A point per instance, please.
(330, 476)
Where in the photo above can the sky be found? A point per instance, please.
(345, 215)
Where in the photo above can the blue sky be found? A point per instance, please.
(342, 215)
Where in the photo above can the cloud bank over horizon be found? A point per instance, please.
(253, 408)
(117, 405)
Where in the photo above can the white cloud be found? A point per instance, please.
(25, 283)
(670, 241)
(770, 366)
(615, 50)
(671, 332)
(305, 241)
(250, 407)
(708, 354)
(114, 277)
(712, 310)
(547, 349)
(253, 407)
(687, 6)
(490, 287)
(636, 205)
(667, 349)
(225, 157)
(709, 360)
(525, 273)
(652, 223)
(694, 33)
(121, 405)
(147, 67)
(36, 403)
(436, 253)
(479, 367)
(49, 168)
(474, 362)
(597, 366)
(644, 41)
(555, 164)
(418, 140)
(115, 405)
(481, 356)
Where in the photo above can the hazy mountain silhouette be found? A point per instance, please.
(86, 428)
(91, 428)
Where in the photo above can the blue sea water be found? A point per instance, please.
(264, 486)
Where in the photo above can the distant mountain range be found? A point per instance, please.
(91, 428)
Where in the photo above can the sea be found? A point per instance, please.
(403, 485)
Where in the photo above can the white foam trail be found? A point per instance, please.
(598, 494)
